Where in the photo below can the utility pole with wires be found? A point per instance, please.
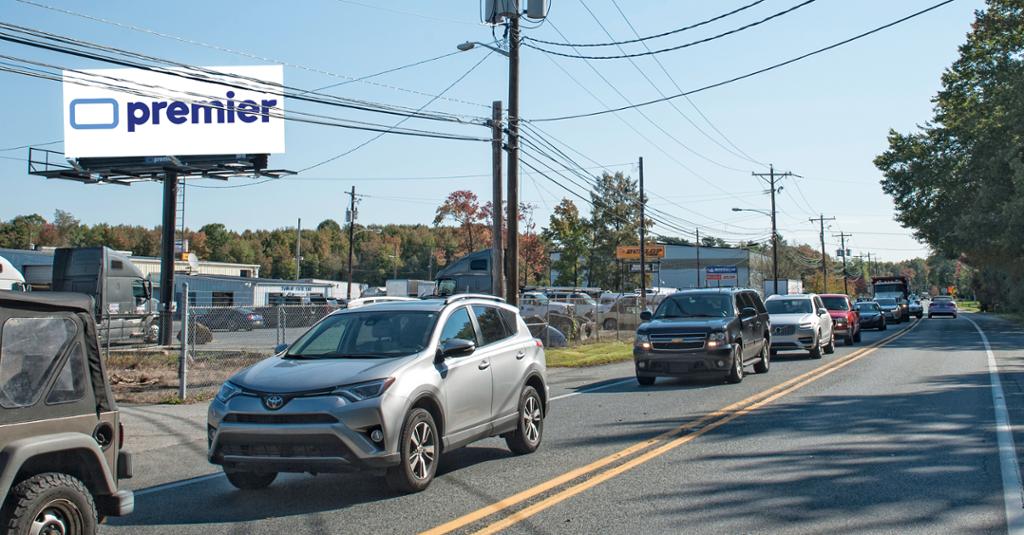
(868, 256)
(698, 257)
(351, 238)
(842, 245)
(821, 219)
(643, 245)
(298, 250)
(497, 204)
(512, 262)
(771, 177)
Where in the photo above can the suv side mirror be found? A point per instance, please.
(280, 348)
(748, 312)
(822, 311)
(646, 315)
(456, 347)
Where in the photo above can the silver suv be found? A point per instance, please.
(390, 385)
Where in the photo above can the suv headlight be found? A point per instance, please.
(367, 390)
(227, 391)
(806, 325)
(716, 336)
(643, 341)
(840, 321)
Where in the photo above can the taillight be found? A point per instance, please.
(251, 317)
(539, 342)
(120, 435)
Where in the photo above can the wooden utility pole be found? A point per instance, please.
(512, 271)
(351, 238)
(772, 176)
(821, 219)
(643, 244)
(497, 203)
(298, 250)
(842, 245)
(698, 257)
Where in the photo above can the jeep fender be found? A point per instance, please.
(16, 454)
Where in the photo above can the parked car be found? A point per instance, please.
(623, 314)
(60, 430)
(942, 307)
(392, 386)
(229, 319)
(845, 317)
(581, 302)
(703, 332)
(891, 309)
(915, 308)
(871, 316)
(801, 322)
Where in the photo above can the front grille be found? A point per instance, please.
(279, 419)
(291, 446)
(677, 341)
(784, 330)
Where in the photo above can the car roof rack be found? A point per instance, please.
(459, 297)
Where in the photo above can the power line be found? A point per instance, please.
(19, 147)
(741, 154)
(658, 89)
(399, 123)
(753, 73)
(240, 53)
(663, 34)
(672, 48)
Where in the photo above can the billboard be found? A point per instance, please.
(632, 252)
(721, 273)
(135, 112)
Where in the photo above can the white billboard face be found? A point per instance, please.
(167, 115)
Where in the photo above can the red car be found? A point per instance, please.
(845, 318)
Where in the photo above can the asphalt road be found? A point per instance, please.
(895, 439)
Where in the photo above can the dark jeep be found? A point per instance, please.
(703, 332)
(60, 432)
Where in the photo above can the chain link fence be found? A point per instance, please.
(574, 321)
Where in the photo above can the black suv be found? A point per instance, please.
(703, 332)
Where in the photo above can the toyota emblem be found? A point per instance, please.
(273, 402)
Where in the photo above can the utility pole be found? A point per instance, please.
(351, 237)
(868, 256)
(772, 176)
(821, 219)
(512, 272)
(298, 251)
(643, 244)
(698, 257)
(166, 260)
(497, 204)
(395, 264)
(842, 245)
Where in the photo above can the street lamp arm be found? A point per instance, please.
(469, 45)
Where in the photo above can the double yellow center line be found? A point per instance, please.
(644, 451)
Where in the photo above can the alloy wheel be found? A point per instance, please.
(59, 517)
(532, 417)
(422, 450)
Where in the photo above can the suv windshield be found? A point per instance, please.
(695, 306)
(369, 334)
(789, 306)
(835, 303)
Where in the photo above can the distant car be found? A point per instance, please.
(871, 316)
(916, 309)
(801, 322)
(891, 309)
(845, 317)
(229, 319)
(388, 387)
(713, 332)
(581, 302)
(942, 307)
(624, 314)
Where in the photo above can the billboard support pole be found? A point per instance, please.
(167, 257)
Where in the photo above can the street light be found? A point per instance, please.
(470, 45)
(775, 243)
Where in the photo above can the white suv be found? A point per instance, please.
(800, 322)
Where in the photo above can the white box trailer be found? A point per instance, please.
(10, 277)
(786, 287)
(410, 287)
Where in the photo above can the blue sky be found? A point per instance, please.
(824, 118)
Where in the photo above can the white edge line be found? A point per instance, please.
(595, 389)
(1013, 492)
